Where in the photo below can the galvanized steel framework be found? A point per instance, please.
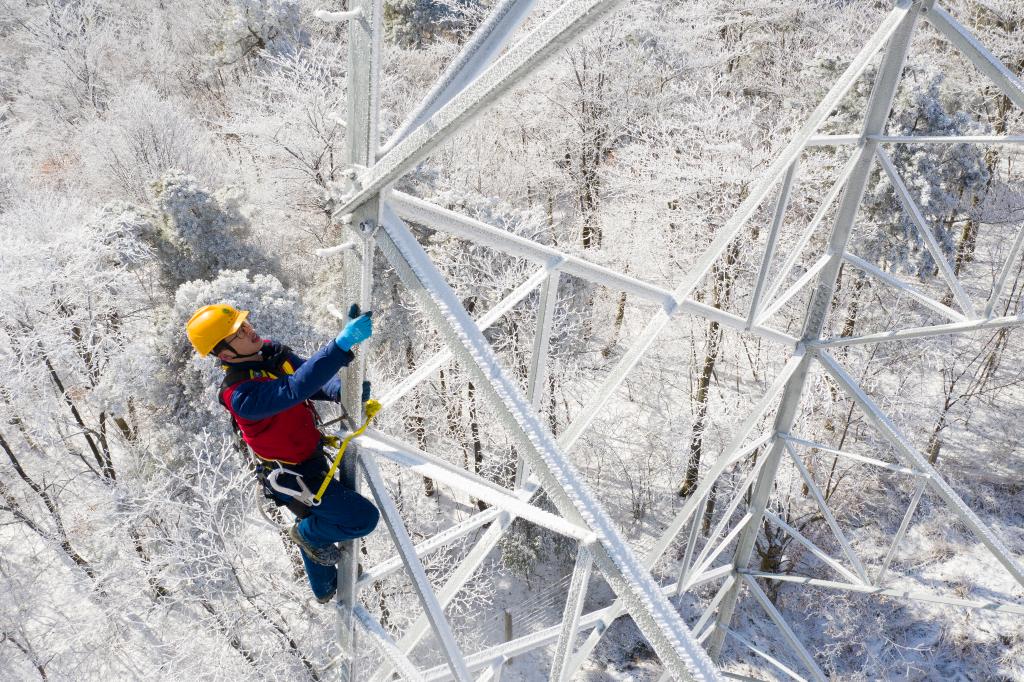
(477, 78)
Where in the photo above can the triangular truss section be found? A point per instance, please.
(484, 72)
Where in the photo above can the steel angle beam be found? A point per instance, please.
(555, 33)
(571, 616)
(789, 438)
(789, 672)
(362, 85)
(480, 50)
(1004, 273)
(824, 207)
(430, 545)
(451, 222)
(826, 512)
(787, 632)
(781, 203)
(441, 471)
(379, 637)
(654, 615)
(479, 232)
(439, 623)
(895, 592)
(984, 60)
(910, 291)
(903, 18)
(949, 139)
(901, 532)
(914, 459)
(929, 331)
(934, 249)
(427, 368)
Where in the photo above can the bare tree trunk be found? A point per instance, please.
(620, 316)
(721, 293)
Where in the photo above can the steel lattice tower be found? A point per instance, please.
(371, 209)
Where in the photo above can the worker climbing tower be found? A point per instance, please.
(762, 443)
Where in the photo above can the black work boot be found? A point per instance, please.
(325, 556)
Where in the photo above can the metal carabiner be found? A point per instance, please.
(304, 495)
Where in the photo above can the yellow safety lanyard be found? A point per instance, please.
(372, 407)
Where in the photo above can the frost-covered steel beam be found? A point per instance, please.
(386, 646)
(831, 140)
(655, 616)
(797, 249)
(737, 496)
(774, 662)
(428, 466)
(537, 375)
(421, 584)
(571, 616)
(793, 290)
(984, 60)
(904, 525)
(542, 638)
(821, 554)
(903, 17)
(949, 139)
(427, 369)
(914, 212)
(747, 208)
(826, 512)
(556, 32)
(789, 438)
(430, 545)
(362, 87)
(914, 459)
(734, 452)
(925, 332)
(787, 632)
(781, 203)
(1004, 274)
(995, 607)
(895, 283)
(451, 222)
(480, 50)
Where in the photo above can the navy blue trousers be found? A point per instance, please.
(343, 514)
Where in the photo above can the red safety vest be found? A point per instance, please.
(290, 436)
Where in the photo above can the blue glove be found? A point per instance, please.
(356, 331)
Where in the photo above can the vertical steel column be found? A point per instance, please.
(539, 359)
(571, 616)
(773, 237)
(361, 150)
(879, 105)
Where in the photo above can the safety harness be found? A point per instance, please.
(268, 469)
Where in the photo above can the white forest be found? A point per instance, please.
(753, 272)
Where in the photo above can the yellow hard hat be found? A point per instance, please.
(211, 324)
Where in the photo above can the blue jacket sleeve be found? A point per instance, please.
(330, 391)
(262, 399)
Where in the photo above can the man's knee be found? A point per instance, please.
(366, 518)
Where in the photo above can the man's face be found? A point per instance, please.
(245, 342)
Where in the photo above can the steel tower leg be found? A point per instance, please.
(877, 115)
(361, 149)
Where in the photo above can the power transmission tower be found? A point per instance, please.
(483, 73)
